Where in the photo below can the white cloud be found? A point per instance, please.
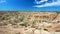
(38, 2)
(2, 1)
(49, 4)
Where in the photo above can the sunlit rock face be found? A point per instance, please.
(46, 16)
(29, 22)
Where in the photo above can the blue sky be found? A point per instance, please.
(27, 5)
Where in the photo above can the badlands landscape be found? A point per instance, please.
(29, 23)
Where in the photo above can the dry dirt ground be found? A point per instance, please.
(29, 23)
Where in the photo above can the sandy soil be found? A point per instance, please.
(29, 23)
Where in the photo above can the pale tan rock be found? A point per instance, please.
(37, 31)
(29, 31)
(45, 32)
(45, 16)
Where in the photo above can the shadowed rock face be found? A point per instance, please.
(29, 22)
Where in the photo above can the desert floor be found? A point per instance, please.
(29, 23)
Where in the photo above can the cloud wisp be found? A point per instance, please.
(48, 4)
(2, 1)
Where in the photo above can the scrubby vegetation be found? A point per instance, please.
(25, 21)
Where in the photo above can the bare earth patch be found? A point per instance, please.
(29, 23)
